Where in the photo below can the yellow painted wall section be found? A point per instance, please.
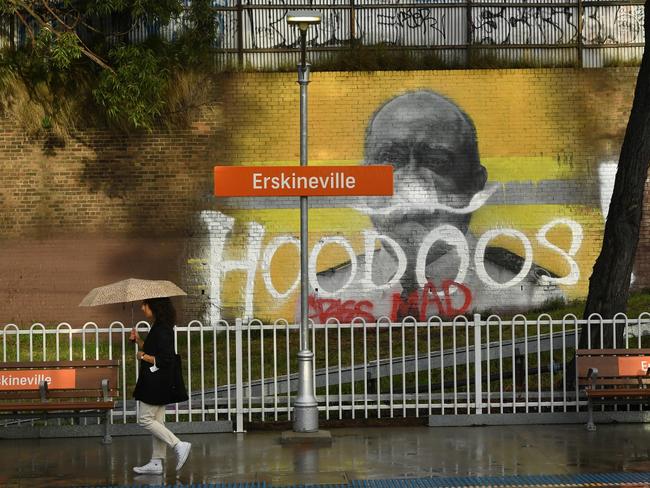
(545, 138)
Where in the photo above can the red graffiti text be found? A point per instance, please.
(418, 304)
(322, 309)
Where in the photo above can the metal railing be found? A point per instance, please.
(248, 372)
(254, 33)
(455, 33)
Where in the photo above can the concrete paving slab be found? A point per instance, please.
(355, 454)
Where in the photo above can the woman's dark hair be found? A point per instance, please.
(163, 311)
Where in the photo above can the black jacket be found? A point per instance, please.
(155, 388)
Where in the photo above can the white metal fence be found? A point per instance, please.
(248, 372)
(458, 32)
(255, 34)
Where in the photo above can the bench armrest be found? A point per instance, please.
(105, 389)
(641, 379)
(592, 376)
(42, 389)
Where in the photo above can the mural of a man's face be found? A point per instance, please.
(432, 146)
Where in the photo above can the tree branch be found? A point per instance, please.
(92, 56)
(47, 6)
(84, 49)
(34, 15)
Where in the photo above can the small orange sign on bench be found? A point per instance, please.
(30, 379)
(633, 365)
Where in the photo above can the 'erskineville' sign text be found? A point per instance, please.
(30, 379)
(269, 181)
(286, 181)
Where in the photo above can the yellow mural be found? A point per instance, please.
(525, 230)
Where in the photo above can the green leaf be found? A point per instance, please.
(133, 93)
(64, 50)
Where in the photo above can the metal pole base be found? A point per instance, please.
(305, 418)
(305, 408)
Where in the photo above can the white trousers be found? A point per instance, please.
(152, 418)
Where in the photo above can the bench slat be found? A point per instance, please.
(27, 394)
(607, 366)
(613, 352)
(618, 392)
(80, 363)
(88, 378)
(55, 406)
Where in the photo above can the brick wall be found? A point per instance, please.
(102, 206)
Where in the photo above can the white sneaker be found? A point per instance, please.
(182, 450)
(152, 467)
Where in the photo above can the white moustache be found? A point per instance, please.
(402, 205)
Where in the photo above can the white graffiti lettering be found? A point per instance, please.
(269, 252)
(576, 239)
(370, 237)
(313, 278)
(480, 255)
(220, 225)
(450, 235)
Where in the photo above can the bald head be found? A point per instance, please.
(427, 131)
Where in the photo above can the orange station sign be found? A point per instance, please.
(287, 181)
(29, 379)
(633, 365)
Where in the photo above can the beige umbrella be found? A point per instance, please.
(130, 290)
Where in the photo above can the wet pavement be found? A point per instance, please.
(355, 454)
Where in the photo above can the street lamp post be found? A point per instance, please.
(305, 411)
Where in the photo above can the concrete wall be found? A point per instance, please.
(103, 207)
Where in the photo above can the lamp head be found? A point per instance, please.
(303, 18)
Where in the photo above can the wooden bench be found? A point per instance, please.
(59, 389)
(613, 376)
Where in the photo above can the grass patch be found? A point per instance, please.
(622, 63)
(383, 57)
(392, 57)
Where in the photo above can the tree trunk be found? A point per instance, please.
(609, 285)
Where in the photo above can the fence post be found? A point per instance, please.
(352, 26)
(468, 33)
(581, 11)
(239, 381)
(478, 385)
(240, 34)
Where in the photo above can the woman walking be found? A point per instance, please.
(154, 387)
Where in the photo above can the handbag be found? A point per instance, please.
(179, 392)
